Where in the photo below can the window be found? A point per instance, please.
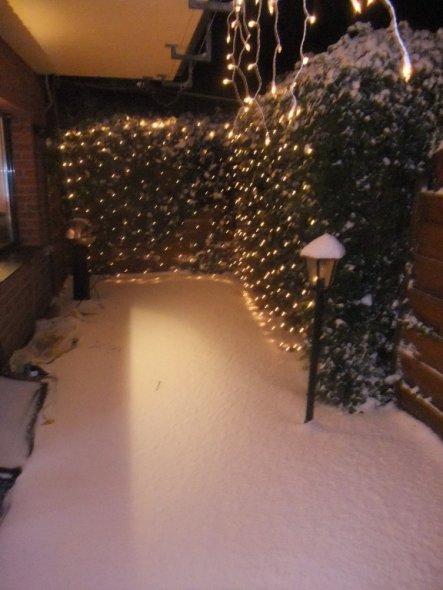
(6, 172)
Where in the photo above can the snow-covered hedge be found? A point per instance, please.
(137, 178)
(347, 165)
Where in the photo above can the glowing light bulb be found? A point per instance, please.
(407, 70)
(356, 6)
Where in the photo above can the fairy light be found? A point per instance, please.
(356, 6)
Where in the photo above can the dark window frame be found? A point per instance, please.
(8, 173)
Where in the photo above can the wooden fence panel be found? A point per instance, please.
(430, 240)
(428, 274)
(420, 354)
(427, 347)
(421, 409)
(418, 374)
(430, 206)
(428, 308)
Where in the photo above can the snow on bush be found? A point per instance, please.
(348, 166)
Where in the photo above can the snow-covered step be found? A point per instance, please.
(20, 402)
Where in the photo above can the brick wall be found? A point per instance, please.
(25, 295)
(28, 190)
(20, 89)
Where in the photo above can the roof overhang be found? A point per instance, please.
(99, 38)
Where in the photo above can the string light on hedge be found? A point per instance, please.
(111, 159)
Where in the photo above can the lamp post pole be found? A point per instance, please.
(322, 255)
(315, 348)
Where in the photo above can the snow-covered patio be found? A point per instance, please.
(177, 460)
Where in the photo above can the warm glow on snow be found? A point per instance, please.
(177, 458)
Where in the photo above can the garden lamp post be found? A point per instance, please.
(79, 233)
(322, 255)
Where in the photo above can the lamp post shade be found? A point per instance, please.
(321, 256)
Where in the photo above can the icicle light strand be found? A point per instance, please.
(309, 18)
(243, 28)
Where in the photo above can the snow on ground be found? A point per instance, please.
(178, 460)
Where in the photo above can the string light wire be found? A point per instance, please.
(407, 66)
